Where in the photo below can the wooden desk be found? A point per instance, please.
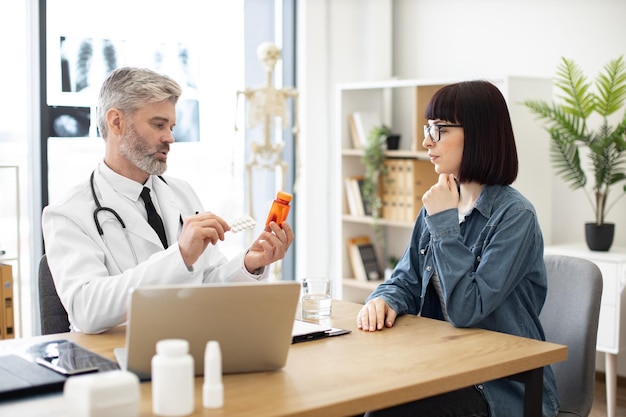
(349, 374)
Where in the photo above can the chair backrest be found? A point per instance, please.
(51, 312)
(570, 317)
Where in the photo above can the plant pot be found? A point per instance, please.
(599, 236)
(393, 142)
(387, 274)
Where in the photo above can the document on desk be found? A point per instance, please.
(304, 331)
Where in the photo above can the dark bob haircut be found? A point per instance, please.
(489, 151)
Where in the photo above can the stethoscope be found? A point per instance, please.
(99, 209)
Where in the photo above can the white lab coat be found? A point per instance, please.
(93, 279)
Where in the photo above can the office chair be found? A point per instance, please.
(570, 317)
(51, 312)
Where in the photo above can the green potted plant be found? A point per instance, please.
(374, 160)
(570, 123)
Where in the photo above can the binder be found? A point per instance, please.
(388, 190)
(420, 176)
(407, 180)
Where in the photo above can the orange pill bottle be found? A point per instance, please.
(280, 208)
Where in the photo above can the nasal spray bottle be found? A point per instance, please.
(280, 208)
(213, 388)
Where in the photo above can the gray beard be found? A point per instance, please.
(134, 148)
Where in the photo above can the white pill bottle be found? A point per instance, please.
(172, 379)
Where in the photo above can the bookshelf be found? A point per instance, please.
(401, 105)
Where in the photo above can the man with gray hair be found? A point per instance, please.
(127, 226)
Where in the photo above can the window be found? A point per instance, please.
(200, 47)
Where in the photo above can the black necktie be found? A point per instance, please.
(153, 217)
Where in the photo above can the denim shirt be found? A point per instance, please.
(492, 276)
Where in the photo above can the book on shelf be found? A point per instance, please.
(363, 258)
(350, 197)
(358, 269)
(354, 194)
(355, 206)
(361, 124)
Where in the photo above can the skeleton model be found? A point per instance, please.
(268, 106)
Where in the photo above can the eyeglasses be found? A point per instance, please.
(434, 131)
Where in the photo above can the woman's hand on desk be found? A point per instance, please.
(375, 315)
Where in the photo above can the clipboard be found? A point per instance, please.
(304, 331)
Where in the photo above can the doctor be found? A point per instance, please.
(98, 241)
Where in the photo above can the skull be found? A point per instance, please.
(268, 54)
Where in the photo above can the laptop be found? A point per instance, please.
(252, 322)
(20, 377)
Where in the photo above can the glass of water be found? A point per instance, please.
(316, 298)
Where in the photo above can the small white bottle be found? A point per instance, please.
(172, 379)
(213, 388)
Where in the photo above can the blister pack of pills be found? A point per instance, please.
(241, 223)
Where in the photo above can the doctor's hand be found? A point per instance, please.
(270, 246)
(442, 196)
(197, 233)
(375, 315)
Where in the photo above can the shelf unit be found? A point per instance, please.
(401, 105)
(411, 96)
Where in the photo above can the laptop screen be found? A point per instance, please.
(251, 321)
